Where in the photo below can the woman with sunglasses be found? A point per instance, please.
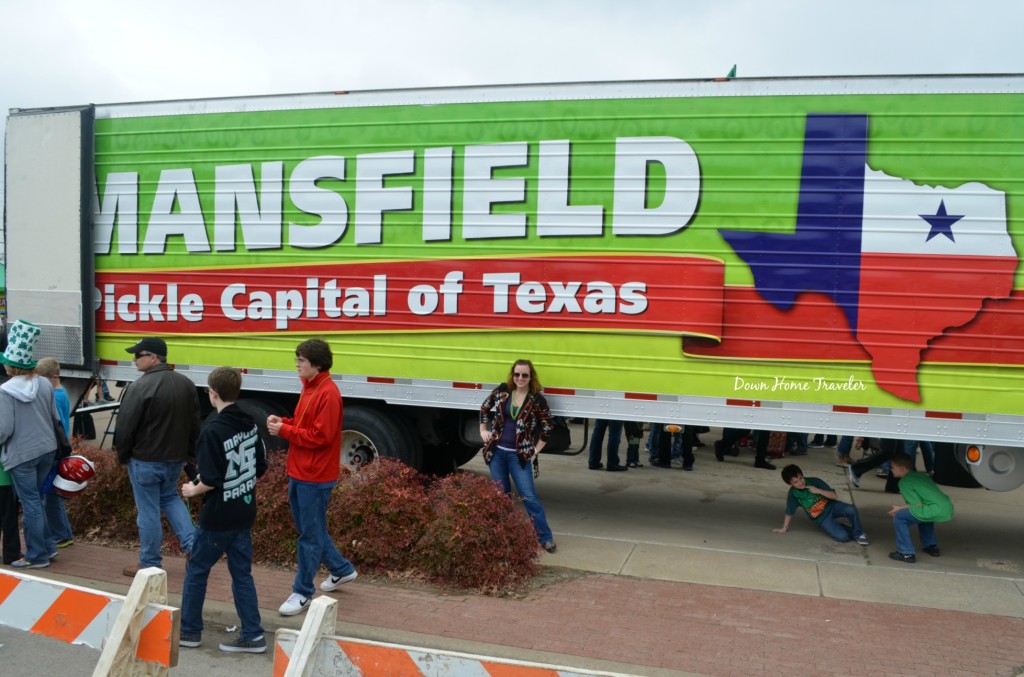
(515, 424)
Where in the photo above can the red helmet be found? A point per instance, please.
(76, 469)
(67, 488)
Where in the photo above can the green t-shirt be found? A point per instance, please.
(927, 502)
(816, 507)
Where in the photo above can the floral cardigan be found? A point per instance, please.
(532, 424)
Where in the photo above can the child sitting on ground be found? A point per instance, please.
(925, 505)
(822, 506)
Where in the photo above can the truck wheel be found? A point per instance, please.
(948, 470)
(369, 433)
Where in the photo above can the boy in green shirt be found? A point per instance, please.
(925, 505)
(822, 506)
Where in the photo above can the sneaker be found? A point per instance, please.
(53, 555)
(863, 540)
(764, 465)
(816, 445)
(131, 570)
(190, 640)
(25, 564)
(549, 546)
(854, 480)
(688, 467)
(294, 605)
(933, 550)
(677, 463)
(242, 645)
(332, 582)
(907, 557)
(65, 543)
(881, 473)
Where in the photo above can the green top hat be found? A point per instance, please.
(20, 340)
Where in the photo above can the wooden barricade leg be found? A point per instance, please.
(118, 655)
(320, 622)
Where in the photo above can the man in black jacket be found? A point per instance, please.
(156, 432)
(231, 457)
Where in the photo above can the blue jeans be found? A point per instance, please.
(308, 501)
(207, 548)
(155, 485)
(927, 453)
(27, 479)
(505, 463)
(57, 517)
(614, 437)
(902, 522)
(841, 532)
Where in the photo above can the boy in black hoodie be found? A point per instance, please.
(231, 456)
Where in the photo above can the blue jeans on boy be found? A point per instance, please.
(155, 485)
(308, 502)
(27, 478)
(841, 532)
(902, 522)
(57, 517)
(207, 548)
(614, 429)
(505, 463)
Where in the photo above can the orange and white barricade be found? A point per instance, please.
(135, 633)
(314, 651)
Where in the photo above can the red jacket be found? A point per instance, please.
(314, 433)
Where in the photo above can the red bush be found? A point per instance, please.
(477, 538)
(378, 515)
(461, 532)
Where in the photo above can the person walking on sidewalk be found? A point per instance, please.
(925, 505)
(314, 465)
(230, 458)
(515, 424)
(157, 429)
(28, 413)
(822, 506)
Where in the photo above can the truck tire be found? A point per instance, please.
(369, 433)
(948, 470)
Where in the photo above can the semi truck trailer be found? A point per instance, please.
(799, 254)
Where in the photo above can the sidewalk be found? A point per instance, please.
(626, 624)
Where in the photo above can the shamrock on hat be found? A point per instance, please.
(20, 342)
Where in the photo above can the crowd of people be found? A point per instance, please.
(159, 435)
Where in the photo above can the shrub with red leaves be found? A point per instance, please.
(461, 532)
(377, 515)
(478, 538)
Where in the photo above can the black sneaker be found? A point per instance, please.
(907, 557)
(190, 640)
(241, 645)
(764, 465)
(933, 550)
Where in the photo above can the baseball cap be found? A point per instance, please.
(150, 344)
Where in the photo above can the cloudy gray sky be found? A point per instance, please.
(57, 52)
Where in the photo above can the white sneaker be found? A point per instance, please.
(332, 582)
(677, 463)
(863, 540)
(854, 480)
(295, 604)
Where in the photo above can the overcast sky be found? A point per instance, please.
(58, 53)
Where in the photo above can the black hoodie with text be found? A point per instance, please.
(231, 456)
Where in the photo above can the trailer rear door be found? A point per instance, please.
(48, 230)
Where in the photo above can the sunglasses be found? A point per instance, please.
(138, 355)
(520, 375)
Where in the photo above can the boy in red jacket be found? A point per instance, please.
(314, 461)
